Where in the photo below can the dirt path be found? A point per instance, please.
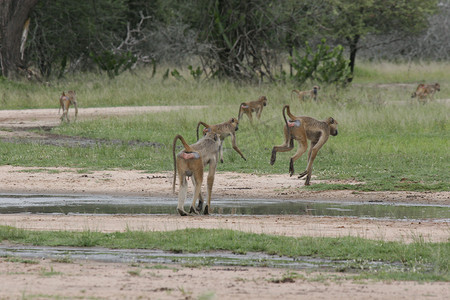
(86, 279)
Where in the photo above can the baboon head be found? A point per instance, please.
(235, 123)
(437, 86)
(211, 135)
(263, 99)
(333, 126)
(315, 89)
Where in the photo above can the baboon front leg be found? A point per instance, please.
(76, 110)
(258, 113)
(221, 151)
(235, 147)
(210, 182)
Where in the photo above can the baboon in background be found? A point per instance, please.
(426, 92)
(302, 94)
(224, 129)
(303, 129)
(65, 101)
(252, 106)
(191, 162)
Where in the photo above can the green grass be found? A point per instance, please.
(420, 260)
(386, 140)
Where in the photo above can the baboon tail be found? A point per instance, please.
(285, 120)
(187, 148)
(288, 111)
(174, 162)
(292, 93)
(239, 112)
(198, 125)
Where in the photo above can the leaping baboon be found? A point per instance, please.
(252, 106)
(426, 92)
(190, 162)
(224, 130)
(303, 129)
(65, 101)
(302, 94)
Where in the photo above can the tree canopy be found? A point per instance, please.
(234, 39)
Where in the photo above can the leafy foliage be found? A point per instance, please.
(114, 63)
(325, 65)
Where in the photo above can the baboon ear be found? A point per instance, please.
(331, 120)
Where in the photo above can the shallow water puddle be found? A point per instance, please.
(94, 204)
(222, 258)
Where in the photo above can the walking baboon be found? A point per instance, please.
(252, 106)
(302, 94)
(303, 129)
(65, 101)
(190, 162)
(426, 92)
(224, 129)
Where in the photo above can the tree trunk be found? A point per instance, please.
(13, 15)
(353, 45)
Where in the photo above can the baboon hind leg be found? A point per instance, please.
(315, 147)
(288, 145)
(302, 146)
(182, 194)
(197, 180)
(249, 115)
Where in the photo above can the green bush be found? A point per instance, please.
(325, 65)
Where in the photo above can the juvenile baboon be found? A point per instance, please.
(302, 94)
(65, 101)
(191, 162)
(426, 92)
(224, 130)
(252, 106)
(303, 129)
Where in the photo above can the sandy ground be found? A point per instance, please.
(89, 279)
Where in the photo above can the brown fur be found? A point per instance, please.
(224, 130)
(65, 101)
(312, 93)
(252, 106)
(425, 92)
(303, 129)
(191, 162)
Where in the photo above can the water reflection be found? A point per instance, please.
(64, 204)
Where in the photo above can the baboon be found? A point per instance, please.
(252, 106)
(303, 129)
(302, 94)
(426, 92)
(65, 101)
(224, 129)
(190, 162)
